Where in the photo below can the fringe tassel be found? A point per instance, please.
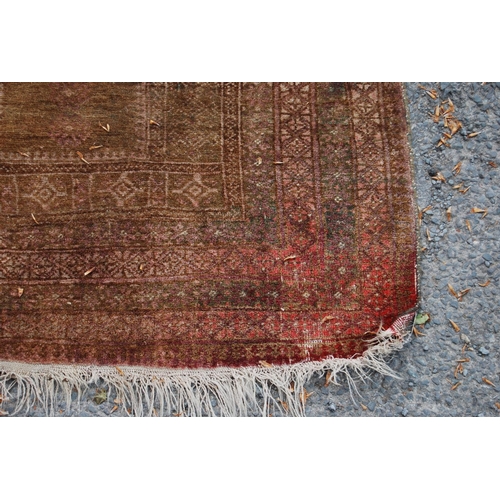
(236, 391)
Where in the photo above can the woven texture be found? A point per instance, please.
(191, 225)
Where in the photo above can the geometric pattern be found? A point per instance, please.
(188, 225)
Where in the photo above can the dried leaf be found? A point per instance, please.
(326, 318)
(120, 371)
(454, 325)
(453, 124)
(486, 283)
(152, 122)
(285, 405)
(258, 162)
(418, 333)
(113, 409)
(100, 396)
(489, 382)
(464, 360)
(421, 213)
(456, 385)
(328, 378)
(422, 318)
(20, 292)
(265, 364)
(448, 214)
(290, 257)
(304, 396)
(95, 147)
(363, 406)
(452, 291)
(105, 127)
(463, 191)
(463, 293)
(33, 217)
(469, 227)
(492, 164)
(473, 134)
(437, 112)
(80, 155)
(428, 233)
(457, 168)
(458, 186)
(476, 210)
(86, 273)
(439, 177)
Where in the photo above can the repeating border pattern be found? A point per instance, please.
(381, 278)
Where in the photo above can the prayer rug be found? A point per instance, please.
(196, 238)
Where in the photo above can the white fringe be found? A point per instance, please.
(195, 392)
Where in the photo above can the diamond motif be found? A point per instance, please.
(123, 190)
(46, 193)
(195, 190)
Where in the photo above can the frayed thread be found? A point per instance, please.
(198, 392)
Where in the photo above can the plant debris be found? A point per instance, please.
(457, 168)
(454, 325)
(439, 177)
(483, 211)
(418, 333)
(489, 382)
(80, 155)
(422, 318)
(430, 92)
(304, 396)
(100, 397)
(421, 213)
(326, 318)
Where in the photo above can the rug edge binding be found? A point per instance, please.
(191, 392)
